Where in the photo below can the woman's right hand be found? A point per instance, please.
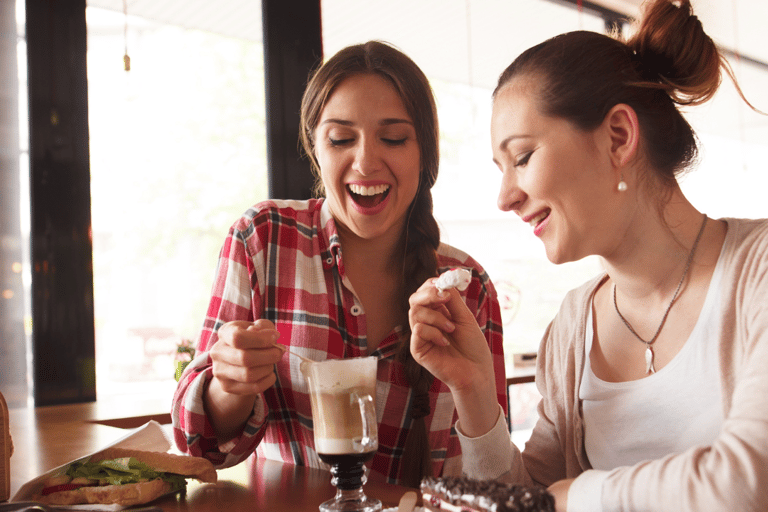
(244, 358)
(447, 341)
(445, 337)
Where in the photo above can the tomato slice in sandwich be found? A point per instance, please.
(61, 487)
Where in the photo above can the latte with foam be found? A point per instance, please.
(342, 393)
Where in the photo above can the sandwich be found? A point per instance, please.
(123, 476)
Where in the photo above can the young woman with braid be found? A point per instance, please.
(331, 277)
(653, 374)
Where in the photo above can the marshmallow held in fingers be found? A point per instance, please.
(458, 278)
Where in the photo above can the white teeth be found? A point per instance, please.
(534, 221)
(368, 191)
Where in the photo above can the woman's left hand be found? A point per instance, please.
(559, 490)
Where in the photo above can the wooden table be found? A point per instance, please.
(272, 486)
(47, 437)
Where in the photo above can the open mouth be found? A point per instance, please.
(368, 197)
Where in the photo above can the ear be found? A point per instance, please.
(623, 129)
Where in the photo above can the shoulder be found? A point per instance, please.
(746, 231)
(743, 258)
(481, 287)
(279, 212)
(449, 257)
(746, 244)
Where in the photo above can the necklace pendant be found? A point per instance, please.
(649, 360)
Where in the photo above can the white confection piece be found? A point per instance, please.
(455, 278)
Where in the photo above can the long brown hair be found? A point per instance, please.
(422, 234)
(670, 61)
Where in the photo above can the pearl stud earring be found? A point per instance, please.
(622, 185)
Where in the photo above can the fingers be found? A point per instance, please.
(429, 318)
(427, 305)
(443, 310)
(245, 383)
(446, 338)
(243, 359)
(423, 334)
(245, 335)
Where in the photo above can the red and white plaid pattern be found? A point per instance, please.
(282, 261)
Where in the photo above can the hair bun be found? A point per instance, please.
(672, 48)
(653, 67)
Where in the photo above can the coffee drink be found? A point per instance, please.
(337, 420)
(342, 394)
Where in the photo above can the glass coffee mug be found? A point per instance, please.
(342, 393)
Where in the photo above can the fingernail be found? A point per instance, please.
(445, 341)
(449, 326)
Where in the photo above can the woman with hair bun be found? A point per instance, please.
(330, 278)
(653, 374)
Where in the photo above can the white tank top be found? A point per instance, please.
(674, 409)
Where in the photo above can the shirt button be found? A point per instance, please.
(356, 310)
(329, 260)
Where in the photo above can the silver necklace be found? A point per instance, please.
(648, 350)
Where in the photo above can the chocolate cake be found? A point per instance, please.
(460, 494)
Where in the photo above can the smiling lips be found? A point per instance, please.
(369, 199)
(537, 222)
(533, 221)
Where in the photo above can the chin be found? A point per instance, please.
(557, 257)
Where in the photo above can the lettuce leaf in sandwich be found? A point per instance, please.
(125, 477)
(126, 470)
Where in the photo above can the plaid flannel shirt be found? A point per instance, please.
(283, 261)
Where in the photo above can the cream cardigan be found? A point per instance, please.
(729, 475)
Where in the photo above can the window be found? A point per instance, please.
(178, 152)
(15, 277)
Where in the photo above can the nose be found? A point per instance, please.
(511, 197)
(367, 159)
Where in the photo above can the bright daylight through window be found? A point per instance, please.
(178, 153)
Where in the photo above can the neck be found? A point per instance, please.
(380, 254)
(649, 262)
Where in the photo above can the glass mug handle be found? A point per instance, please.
(368, 442)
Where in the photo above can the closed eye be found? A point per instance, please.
(395, 142)
(524, 159)
(339, 142)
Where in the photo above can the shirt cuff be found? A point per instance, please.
(585, 493)
(258, 417)
(488, 456)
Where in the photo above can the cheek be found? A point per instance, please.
(408, 169)
(329, 164)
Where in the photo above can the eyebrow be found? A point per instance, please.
(504, 143)
(384, 122)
